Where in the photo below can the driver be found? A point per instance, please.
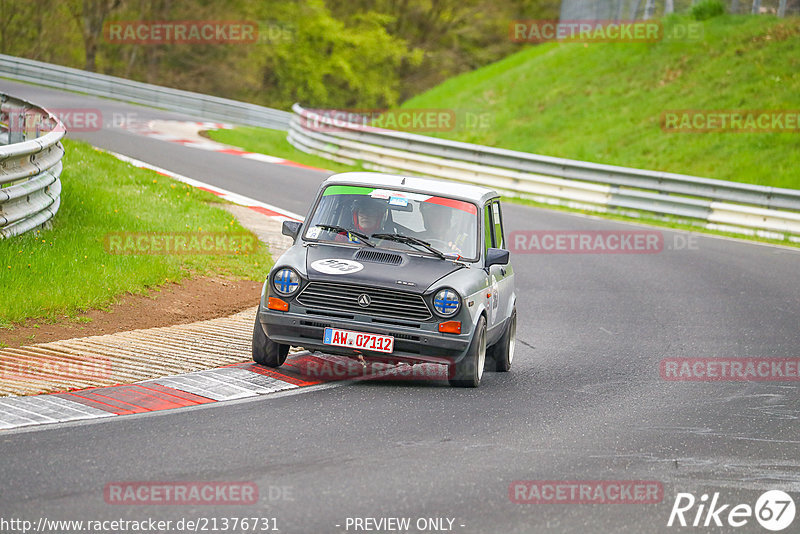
(439, 227)
(369, 216)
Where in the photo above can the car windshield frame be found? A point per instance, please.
(411, 249)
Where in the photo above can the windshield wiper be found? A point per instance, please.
(407, 239)
(364, 238)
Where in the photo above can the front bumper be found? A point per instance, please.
(411, 344)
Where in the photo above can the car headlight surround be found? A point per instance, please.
(446, 302)
(286, 281)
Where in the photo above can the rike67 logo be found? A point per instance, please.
(774, 510)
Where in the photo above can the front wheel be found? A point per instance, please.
(468, 372)
(265, 351)
(503, 351)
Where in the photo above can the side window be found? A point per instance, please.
(497, 214)
(488, 226)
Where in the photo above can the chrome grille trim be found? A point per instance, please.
(389, 303)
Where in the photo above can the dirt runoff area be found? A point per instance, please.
(175, 303)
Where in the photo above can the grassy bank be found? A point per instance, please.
(68, 269)
(603, 102)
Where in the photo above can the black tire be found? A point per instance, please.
(503, 352)
(468, 372)
(265, 351)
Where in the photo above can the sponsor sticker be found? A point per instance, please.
(335, 266)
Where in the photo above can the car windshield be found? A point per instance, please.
(446, 224)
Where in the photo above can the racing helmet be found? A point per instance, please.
(372, 206)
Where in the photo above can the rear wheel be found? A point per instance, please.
(265, 351)
(468, 372)
(503, 351)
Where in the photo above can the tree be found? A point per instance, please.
(332, 64)
(90, 15)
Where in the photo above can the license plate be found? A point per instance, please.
(358, 340)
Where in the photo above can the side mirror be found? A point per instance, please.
(497, 256)
(291, 228)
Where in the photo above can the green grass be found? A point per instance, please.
(66, 270)
(603, 102)
(273, 143)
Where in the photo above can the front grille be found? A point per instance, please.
(340, 297)
(404, 336)
(395, 322)
(376, 256)
(314, 324)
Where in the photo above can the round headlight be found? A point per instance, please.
(286, 282)
(446, 302)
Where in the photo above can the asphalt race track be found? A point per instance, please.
(584, 401)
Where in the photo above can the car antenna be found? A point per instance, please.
(403, 182)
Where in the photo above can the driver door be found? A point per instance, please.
(501, 277)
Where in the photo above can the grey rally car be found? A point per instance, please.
(394, 269)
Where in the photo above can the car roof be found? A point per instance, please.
(456, 190)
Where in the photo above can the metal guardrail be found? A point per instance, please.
(187, 102)
(730, 206)
(30, 167)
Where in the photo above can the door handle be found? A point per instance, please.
(503, 271)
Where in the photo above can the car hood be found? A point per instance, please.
(376, 267)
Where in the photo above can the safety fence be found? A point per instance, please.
(30, 165)
(185, 102)
(716, 204)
